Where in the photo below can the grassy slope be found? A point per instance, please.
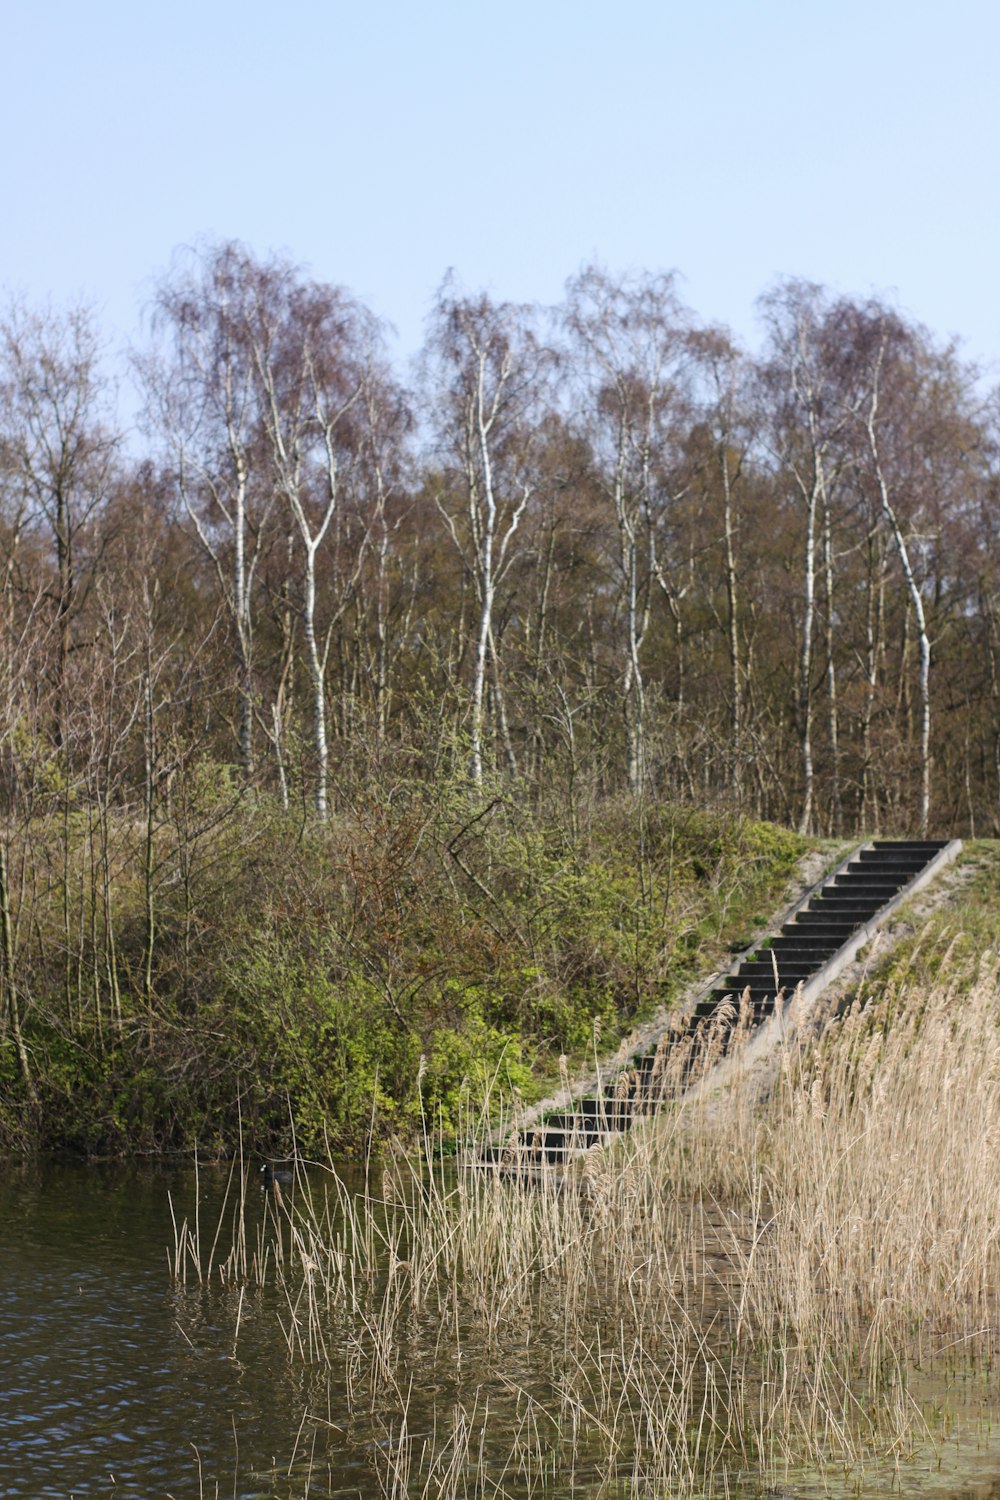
(410, 950)
(957, 932)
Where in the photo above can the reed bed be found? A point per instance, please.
(880, 1160)
(739, 1288)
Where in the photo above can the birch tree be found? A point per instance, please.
(386, 603)
(631, 341)
(487, 369)
(313, 351)
(805, 419)
(727, 410)
(204, 403)
(917, 427)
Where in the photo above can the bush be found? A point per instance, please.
(382, 967)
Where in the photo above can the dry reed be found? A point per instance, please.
(741, 1285)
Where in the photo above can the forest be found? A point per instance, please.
(322, 683)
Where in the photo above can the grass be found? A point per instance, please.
(425, 936)
(751, 1285)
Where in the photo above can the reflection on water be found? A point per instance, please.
(113, 1380)
(116, 1381)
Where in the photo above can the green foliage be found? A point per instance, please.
(423, 948)
(958, 935)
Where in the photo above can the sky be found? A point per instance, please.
(379, 144)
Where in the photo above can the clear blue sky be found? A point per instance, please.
(379, 143)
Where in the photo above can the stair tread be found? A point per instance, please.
(799, 951)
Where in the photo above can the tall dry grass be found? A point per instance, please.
(741, 1285)
(878, 1156)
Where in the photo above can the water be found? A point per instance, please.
(116, 1381)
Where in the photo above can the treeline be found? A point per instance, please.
(589, 556)
(599, 544)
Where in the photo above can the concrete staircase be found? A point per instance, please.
(817, 938)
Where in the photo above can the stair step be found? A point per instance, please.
(834, 914)
(833, 918)
(814, 927)
(754, 993)
(845, 903)
(841, 895)
(901, 863)
(849, 881)
(931, 846)
(801, 947)
(786, 971)
(868, 884)
(759, 1004)
(860, 911)
(807, 957)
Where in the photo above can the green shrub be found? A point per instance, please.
(385, 968)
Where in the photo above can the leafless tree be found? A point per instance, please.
(488, 370)
(204, 403)
(57, 456)
(631, 339)
(805, 419)
(313, 354)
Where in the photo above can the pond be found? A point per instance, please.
(118, 1379)
(115, 1380)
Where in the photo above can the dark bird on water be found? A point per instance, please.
(272, 1177)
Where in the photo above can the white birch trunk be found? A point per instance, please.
(916, 600)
